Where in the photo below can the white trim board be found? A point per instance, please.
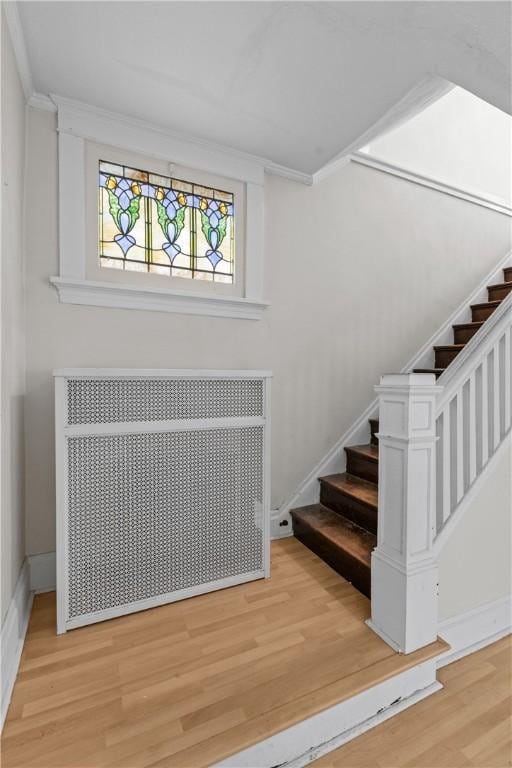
(470, 631)
(457, 515)
(12, 636)
(227, 161)
(122, 296)
(426, 91)
(14, 26)
(307, 740)
(470, 196)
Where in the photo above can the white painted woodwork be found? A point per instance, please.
(334, 460)
(92, 424)
(470, 400)
(72, 206)
(482, 370)
(80, 123)
(472, 427)
(459, 447)
(484, 405)
(496, 428)
(404, 571)
(507, 376)
(446, 464)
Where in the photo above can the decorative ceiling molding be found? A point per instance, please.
(423, 94)
(12, 16)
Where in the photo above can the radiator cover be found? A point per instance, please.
(162, 487)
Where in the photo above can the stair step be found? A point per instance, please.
(484, 310)
(446, 354)
(374, 428)
(463, 332)
(351, 496)
(436, 371)
(363, 461)
(499, 291)
(340, 543)
(507, 274)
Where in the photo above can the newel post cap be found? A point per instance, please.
(408, 382)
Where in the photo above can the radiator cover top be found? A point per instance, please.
(149, 513)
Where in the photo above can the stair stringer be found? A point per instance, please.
(334, 461)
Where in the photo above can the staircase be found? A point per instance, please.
(341, 529)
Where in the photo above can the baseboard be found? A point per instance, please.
(12, 636)
(308, 740)
(473, 630)
(43, 573)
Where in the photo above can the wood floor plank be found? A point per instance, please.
(194, 681)
(468, 723)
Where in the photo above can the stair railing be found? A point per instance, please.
(473, 413)
(435, 440)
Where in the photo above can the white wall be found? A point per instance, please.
(475, 565)
(460, 140)
(12, 323)
(358, 278)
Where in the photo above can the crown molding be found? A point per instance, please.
(53, 103)
(470, 195)
(12, 16)
(40, 101)
(274, 169)
(428, 90)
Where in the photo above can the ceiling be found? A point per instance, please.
(293, 82)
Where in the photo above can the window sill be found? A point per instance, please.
(116, 295)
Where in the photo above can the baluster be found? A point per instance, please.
(472, 427)
(496, 428)
(459, 447)
(446, 464)
(485, 412)
(508, 376)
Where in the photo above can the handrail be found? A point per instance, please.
(476, 341)
(473, 410)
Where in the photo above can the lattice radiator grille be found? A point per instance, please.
(93, 401)
(150, 516)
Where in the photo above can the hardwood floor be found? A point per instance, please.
(190, 683)
(468, 723)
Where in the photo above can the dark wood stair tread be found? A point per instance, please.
(449, 347)
(506, 284)
(487, 304)
(437, 371)
(368, 451)
(353, 487)
(469, 326)
(337, 531)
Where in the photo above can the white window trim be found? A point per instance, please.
(78, 123)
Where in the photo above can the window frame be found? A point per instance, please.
(80, 127)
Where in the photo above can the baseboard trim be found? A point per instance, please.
(308, 740)
(473, 630)
(43, 572)
(12, 636)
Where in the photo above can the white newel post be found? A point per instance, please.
(404, 570)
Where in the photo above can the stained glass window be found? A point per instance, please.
(166, 226)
